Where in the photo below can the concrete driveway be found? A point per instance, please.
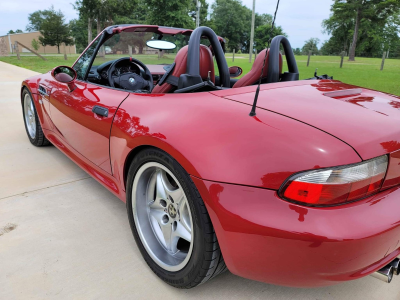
(64, 236)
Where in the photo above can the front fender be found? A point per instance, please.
(32, 84)
(215, 139)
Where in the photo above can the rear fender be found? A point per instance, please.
(215, 139)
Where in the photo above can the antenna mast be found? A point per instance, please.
(253, 109)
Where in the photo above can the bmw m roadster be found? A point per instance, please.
(304, 193)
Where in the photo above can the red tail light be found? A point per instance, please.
(336, 185)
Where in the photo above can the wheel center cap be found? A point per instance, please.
(171, 211)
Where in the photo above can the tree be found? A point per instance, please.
(371, 37)
(36, 19)
(87, 10)
(263, 35)
(363, 11)
(264, 21)
(103, 12)
(340, 27)
(35, 44)
(390, 36)
(136, 16)
(16, 31)
(297, 51)
(173, 13)
(54, 31)
(311, 45)
(330, 47)
(203, 12)
(232, 20)
(228, 17)
(79, 32)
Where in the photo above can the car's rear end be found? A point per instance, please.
(324, 225)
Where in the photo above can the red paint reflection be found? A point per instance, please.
(131, 125)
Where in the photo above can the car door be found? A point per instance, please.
(83, 118)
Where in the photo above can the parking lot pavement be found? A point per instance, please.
(63, 236)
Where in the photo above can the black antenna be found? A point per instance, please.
(253, 109)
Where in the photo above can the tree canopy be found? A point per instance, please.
(16, 31)
(361, 24)
(358, 27)
(35, 44)
(310, 45)
(54, 31)
(173, 13)
(232, 20)
(229, 18)
(36, 19)
(263, 34)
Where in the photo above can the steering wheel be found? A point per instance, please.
(131, 81)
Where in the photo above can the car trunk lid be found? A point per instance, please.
(367, 120)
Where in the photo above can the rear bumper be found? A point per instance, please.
(268, 239)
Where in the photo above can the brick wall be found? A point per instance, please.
(26, 39)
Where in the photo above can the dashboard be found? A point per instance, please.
(99, 74)
(121, 68)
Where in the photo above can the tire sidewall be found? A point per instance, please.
(186, 275)
(35, 140)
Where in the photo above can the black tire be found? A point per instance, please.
(206, 261)
(39, 139)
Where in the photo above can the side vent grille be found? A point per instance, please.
(43, 91)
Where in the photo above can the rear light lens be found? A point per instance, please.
(336, 185)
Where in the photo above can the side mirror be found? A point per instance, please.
(66, 75)
(235, 72)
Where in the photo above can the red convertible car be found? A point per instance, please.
(304, 193)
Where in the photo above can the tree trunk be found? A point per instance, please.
(352, 54)
(89, 32)
(98, 25)
(101, 50)
(58, 47)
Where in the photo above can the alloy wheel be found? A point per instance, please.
(29, 112)
(162, 216)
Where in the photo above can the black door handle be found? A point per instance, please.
(101, 111)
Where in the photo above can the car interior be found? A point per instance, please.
(199, 65)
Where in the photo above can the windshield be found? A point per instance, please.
(134, 44)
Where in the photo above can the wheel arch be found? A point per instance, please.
(38, 106)
(23, 87)
(130, 157)
(168, 149)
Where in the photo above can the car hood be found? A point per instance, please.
(367, 120)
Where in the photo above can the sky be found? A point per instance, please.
(301, 20)
(14, 13)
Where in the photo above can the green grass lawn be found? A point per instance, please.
(363, 72)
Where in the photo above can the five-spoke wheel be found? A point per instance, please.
(31, 120)
(162, 216)
(29, 112)
(170, 222)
